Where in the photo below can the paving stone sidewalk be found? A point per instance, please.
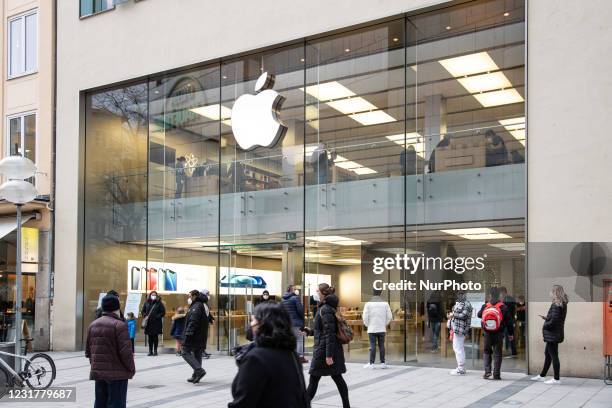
(161, 382)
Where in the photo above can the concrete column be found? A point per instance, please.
(435, 122)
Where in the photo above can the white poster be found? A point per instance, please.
(165, 277)
(312, 280)
(244, 281)
(132, 304)
(477, 300)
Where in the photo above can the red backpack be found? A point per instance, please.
(492, 317)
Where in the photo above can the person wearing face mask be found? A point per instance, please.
(293, 305)
(328, 354)
(265, 298)
(109, 350)
(196, 331)
(153, 312)
(269, 374)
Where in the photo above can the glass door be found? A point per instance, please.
(248, 275)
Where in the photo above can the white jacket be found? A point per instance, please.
(377, 315)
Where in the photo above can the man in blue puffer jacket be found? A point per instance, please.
(293, 305)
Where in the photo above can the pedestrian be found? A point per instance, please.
(376, 317)
(211, 319)
(99, 309)
(293, 305)
(328, 354)
(264, 298)
(460, 319)
(196, 331)
(553, 332)
(153, 312)
(521, 310)
(495, 320)
(269, 373)
(178, 327)
(434, 318)
(110, 355)
(510, 303)
(131, 324)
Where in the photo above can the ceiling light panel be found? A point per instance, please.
(497, 98)
(212, 111)
(372, 118)
(328, 91)
(485, 82)
(469, 64)
(476, 233)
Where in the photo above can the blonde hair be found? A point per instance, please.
(558, 295)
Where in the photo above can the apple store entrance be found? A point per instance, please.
(402, 136)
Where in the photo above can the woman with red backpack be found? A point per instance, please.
(327, 354)
(496, 319)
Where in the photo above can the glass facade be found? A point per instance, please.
(402, 137)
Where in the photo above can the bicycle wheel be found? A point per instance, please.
(5, 382)
(39, 372)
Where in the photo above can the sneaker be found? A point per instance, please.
(486, 376)
(552, 381)
(497, 378)
(456, 371)
(538, 378)
(369, 366)
(150, 354)
(384, 366)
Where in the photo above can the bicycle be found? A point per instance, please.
(38, 372)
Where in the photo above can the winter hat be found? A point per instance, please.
(205, 292)
(110, 303)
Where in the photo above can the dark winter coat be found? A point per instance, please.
(554, 325)
(155, 322)
(178, 326)
(268, 378)
(325, 341)
(109, 349)
(196, 324)
(295, 309)
(435, 313)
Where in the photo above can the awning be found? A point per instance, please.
(8, 224)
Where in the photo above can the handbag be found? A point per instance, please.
(145, 320)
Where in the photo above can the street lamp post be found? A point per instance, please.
(19, 192)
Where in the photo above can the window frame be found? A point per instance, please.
(95, 13)
(22, 116)
(23, 54)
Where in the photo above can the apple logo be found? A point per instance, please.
(255, 119)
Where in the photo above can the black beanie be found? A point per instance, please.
(110, 303)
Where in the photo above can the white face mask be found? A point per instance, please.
(266, 297)
(316, 297)
(189, 301)
(153, 297)
(297, 292)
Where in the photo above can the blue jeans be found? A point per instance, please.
(111, 394)
(435, 334)
(374, 338)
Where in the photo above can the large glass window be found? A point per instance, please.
(23, 44)
(402, 138)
